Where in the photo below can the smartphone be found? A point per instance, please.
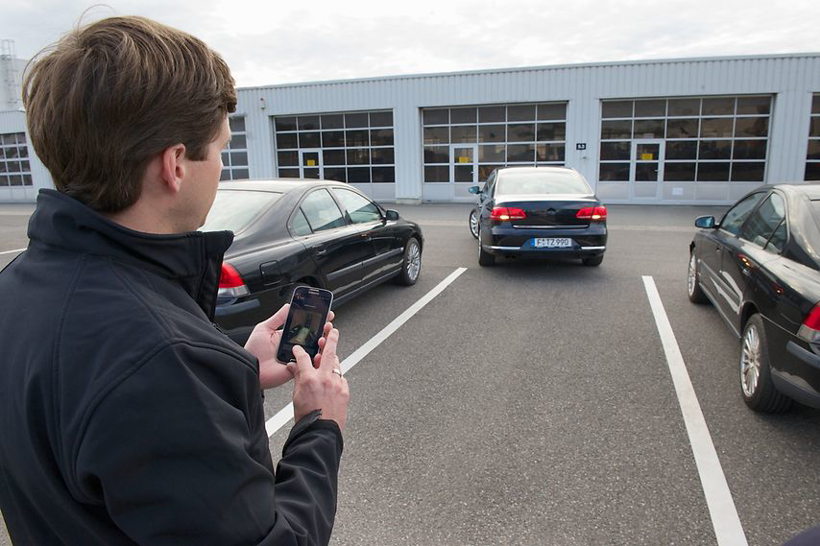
(306, 319)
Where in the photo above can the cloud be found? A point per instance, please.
(273, 42)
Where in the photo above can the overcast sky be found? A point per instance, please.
(275, 42)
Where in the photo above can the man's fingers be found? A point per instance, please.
(329, 358)
(330, 316)
(277, 319)
(302, 360)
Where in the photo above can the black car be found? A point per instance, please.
(297, 232)
(538, 212)
(760, 268)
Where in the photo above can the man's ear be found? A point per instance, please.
(172, 169)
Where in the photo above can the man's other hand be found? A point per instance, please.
(263, 343)
(321, 387)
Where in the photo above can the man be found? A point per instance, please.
(126, 416)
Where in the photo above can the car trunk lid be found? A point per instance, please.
(552, 212)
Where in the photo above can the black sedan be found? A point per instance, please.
(538, 212)
(297, 232)
(760, 268)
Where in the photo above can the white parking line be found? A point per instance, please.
(18, 251)
(725, 521)
(286, 414)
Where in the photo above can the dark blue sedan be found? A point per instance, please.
(538, 212)
(760, 267)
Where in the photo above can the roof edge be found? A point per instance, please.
(535, 68)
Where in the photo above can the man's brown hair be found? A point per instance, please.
(112, 95)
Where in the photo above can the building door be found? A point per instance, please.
(463, 169)
(310, 163)
(646, 173)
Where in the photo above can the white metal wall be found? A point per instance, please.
(791, 79)
(15, 122)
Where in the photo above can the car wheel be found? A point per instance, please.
(694, 290)
(474, 223)
(593, 262)
(756, 384)
(484, 258)
(411, 264)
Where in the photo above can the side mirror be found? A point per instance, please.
(474, 189)
(705, 222)
(392, 215)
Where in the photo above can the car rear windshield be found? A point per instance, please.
(523, 183)
(234, 209)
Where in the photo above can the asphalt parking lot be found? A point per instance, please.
(532, 403)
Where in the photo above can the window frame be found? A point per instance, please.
(784, 219)
(347, 145)
(763, 194)
(542, 114)
(738, 169)
(348, 216)
(315, 231)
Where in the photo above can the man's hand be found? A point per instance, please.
(321, 387)
(264, 343)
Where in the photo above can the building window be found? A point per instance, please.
(235, 157)
(695, 139)
(354, 147)
(813, 155)
(457, 141)
(15, 169)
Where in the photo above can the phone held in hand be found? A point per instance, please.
(306, 319)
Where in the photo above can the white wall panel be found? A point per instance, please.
(791, 79)
(15, 122)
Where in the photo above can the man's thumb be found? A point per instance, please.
(293, 369)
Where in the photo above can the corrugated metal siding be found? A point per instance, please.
(790, 79)
(15, 122)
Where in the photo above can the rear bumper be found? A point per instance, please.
(800, 379)
(237, 318)
(505, 240)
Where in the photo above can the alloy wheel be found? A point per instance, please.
(692, 277)
(413, 261)
(750, 362)
(474, 223)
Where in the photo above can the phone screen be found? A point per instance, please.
(306, 319)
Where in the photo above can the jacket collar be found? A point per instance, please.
(193, 259)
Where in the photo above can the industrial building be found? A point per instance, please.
(680, 131)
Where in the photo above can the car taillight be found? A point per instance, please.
(810, 329)
(597, 214)
(501, 214)
(231, 283)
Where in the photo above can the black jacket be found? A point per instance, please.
(126, 417)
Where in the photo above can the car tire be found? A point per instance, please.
(593, 262)
(485, 259)
(474, 223)
(756, 386)
(693, 289)
(411, 264)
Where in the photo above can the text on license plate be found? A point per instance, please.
(553, 242)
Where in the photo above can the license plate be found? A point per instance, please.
(553, 242)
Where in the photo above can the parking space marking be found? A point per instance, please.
(18, 251)
(284, 415)
(725, 521)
